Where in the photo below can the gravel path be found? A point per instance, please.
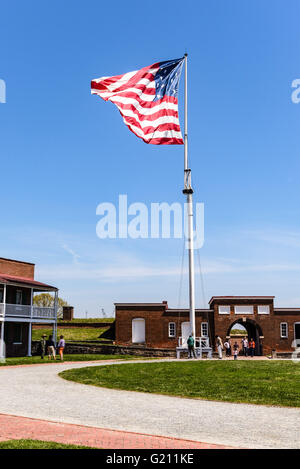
(38, 392)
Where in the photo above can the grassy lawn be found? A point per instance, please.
(68, 358)
(37, 444)
(90, 320)
(271, 382)
(72, 334)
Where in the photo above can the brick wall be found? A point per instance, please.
(68, 313)
(263, 328)
(236, 339)
(280, 344)
(157, 319)
(268, 325)
(16, 268)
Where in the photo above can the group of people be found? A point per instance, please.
(248, 347)
(47, 346)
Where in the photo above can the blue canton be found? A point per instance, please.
(167, 78)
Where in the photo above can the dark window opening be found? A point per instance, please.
(17, 334)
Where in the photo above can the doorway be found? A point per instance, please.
(250, 329)
(138, 331)
(185, 332)
(297, 333)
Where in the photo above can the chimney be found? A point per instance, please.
(68, 313)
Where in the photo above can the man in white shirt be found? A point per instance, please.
(245, 346)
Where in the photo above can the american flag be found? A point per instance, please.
(147, 100)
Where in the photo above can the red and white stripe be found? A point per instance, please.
(155, 122)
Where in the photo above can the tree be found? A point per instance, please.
(47, 301)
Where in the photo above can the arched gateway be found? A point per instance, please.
(254, 332)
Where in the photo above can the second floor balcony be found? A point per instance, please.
(17, 299)
(26, 311)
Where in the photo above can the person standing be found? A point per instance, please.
(61, 347)
(43, 345)
(51, 348)
(246, 346)
(191, 343)
(252, 348)
(227, 348)
(219, 344)
(235, 350)
(243, 347)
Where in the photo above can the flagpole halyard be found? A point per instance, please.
(188, 191)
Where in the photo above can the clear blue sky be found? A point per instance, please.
(64, 151)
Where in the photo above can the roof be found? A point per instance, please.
(213, 298)
(160, 305)
(139, 304)
(4, 278)
(183, 310)
(14, 260)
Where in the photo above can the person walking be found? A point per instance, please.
(252, 348)
(219, 344)
(43, 346)
(246, 346)
(51, 348)
(235, 350)
(61, 347)
(191, 343)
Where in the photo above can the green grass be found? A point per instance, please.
(270, 383)
(238, 332)
(72, 334)
(68, 358)
(37, 444)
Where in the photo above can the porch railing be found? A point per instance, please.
(24, 311)
(202, 342)
(43, 312)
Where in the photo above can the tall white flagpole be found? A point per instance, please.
(188, 191)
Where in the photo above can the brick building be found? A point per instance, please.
(158, 326)
(17, 311)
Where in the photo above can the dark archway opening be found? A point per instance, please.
(254, 332)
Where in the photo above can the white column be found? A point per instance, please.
(2, 346)
(30, 325)
(31, 304)
(55, 313)
(29, 339)
(2, 343)
(4, 300)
